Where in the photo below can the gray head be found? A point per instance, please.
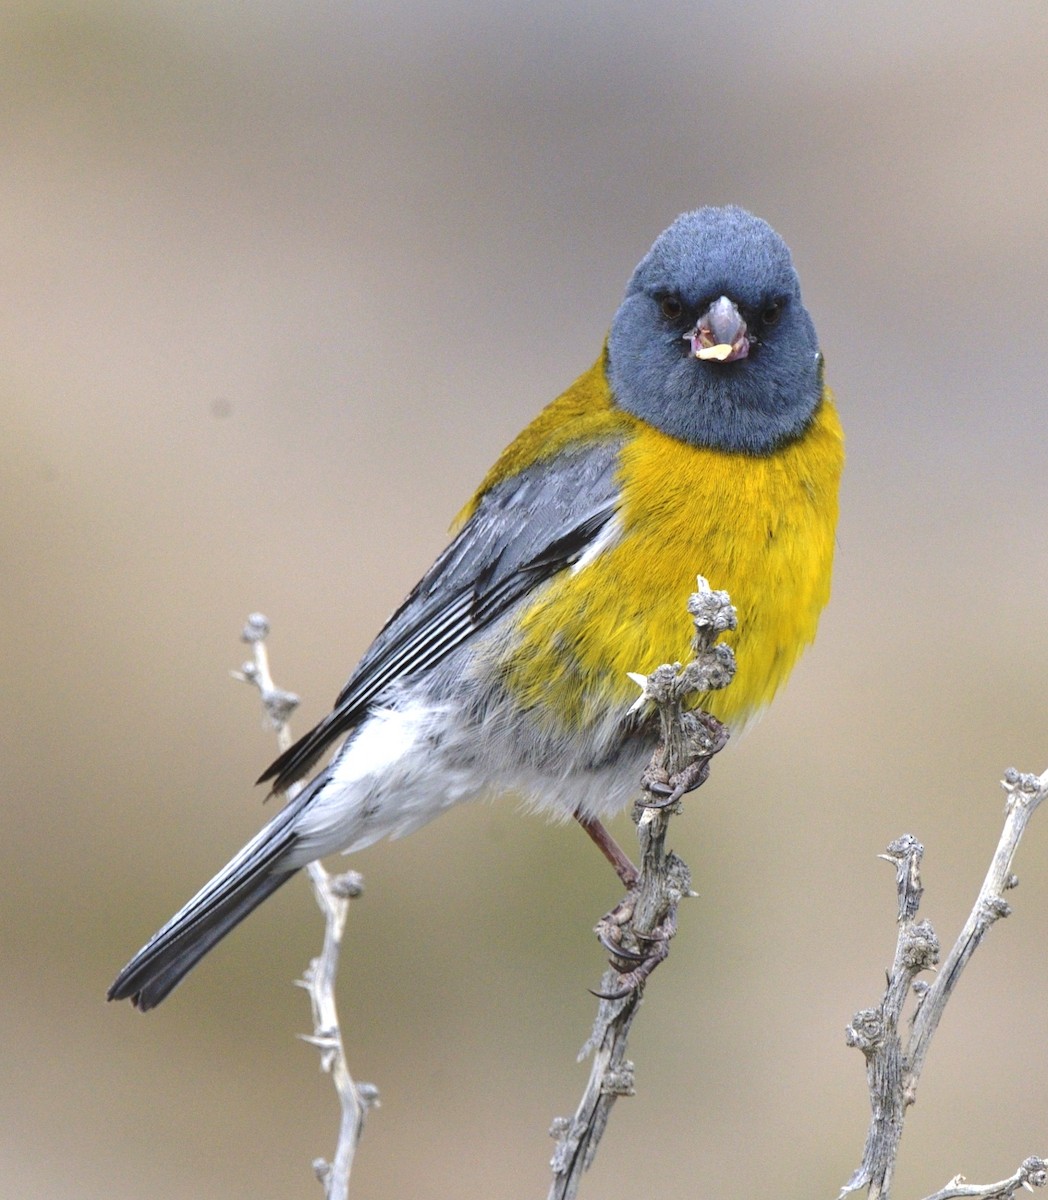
(712, 343)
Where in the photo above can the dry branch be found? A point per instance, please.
(894, 1060)
(637, 932)
(333, 894)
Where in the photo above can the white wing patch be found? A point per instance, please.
(604, 540)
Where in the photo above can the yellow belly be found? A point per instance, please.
(762, 528)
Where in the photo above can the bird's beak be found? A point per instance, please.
(720, 333)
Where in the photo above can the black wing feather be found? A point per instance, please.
(224, 902)
(524, 531)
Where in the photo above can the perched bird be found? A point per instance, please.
(703, 440)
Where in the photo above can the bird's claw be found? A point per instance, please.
(632, 980)
(672, 788)
(712, 736)
(617, 950)
(633, 966)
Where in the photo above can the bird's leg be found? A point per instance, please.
(637, 932)
(611, 850)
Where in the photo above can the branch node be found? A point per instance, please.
(1034, 1172)
(619, 1082)
(905, 853)
(866, 1031)
(919, 949)
(712, 612)
(1023, 783)
(256, 628)
(347, 886)
(994, 908)
(559, 1128)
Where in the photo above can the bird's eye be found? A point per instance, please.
(671, 307)
(771, 313)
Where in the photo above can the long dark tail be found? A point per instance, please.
(218, 907)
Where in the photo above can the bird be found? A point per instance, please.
(703, 439)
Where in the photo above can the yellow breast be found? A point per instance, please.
(760, 527)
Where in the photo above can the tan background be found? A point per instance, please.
(279, 281)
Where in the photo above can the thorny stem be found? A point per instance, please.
(333, 894)
(637, 932)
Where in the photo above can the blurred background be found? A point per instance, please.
(280, 280)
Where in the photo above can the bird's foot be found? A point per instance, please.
(706, 737)
(634, 956)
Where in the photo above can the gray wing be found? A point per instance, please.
(524, 531)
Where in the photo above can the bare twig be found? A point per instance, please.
(894, 1062)
(1025, 793)
(637, 932)
(333, 894)
(1033, 1172)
